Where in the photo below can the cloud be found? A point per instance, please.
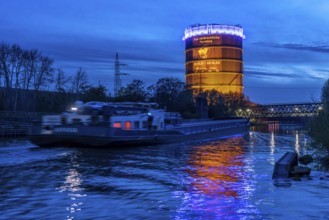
(268, 75)
(147, 36)
(279, 73)
(275, 87)
(312, 48)
(98, 53)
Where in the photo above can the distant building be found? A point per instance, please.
(213, 58)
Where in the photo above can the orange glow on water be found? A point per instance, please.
(215, 170)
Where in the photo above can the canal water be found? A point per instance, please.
(229, 178)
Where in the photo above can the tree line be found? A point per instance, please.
(170, 93)
(30, 82)
(319, 129)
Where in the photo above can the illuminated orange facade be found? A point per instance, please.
(213, 55)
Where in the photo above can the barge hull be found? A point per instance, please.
(107, 137)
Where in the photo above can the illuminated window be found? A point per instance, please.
(117, 124)
(127, 125)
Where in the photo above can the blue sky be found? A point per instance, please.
(286, 50)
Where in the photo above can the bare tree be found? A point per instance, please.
(27, 76)
(5, 64)
(22, 70)
(61, 81)
(4, 73)
(79, 82)
(30, 64)
(43, 73)
(16, 60)
(42, 76)
(11, 67)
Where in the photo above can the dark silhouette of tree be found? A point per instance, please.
(133, 92)
(79, 82)
(30, 63)
(29, 82)
(151, 93)
(61, 81)
(43, 73)
(185, 104)
(61, 95)
(167, 90)
(224, 105)
(95, 94)
(216, 104)
(5, 53)
(43, 76)
(325, 95)
(11, 63)
(320, 128)
(20, 71)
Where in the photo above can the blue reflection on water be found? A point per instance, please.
(73, 187)
(223, 179)
(220, 182)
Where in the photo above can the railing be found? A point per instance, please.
(16, 124)
(14, 130)
(197, 127)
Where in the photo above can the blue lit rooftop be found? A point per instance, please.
(209, 29)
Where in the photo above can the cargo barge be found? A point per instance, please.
(118, 124)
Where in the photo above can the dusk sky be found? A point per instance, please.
(286, 50)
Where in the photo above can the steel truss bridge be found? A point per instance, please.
(281, 110)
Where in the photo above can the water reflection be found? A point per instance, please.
(273, 127)
(220, 175)
(228, 179)
(72, 185)
(215, 169)
(272, 143)
(301, 140)
(297, 144)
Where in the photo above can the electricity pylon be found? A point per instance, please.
(117, 74)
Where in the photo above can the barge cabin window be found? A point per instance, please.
(116, 124)
(127, 125)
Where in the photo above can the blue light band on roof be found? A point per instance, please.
(209, 29)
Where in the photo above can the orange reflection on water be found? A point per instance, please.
(217, 168)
